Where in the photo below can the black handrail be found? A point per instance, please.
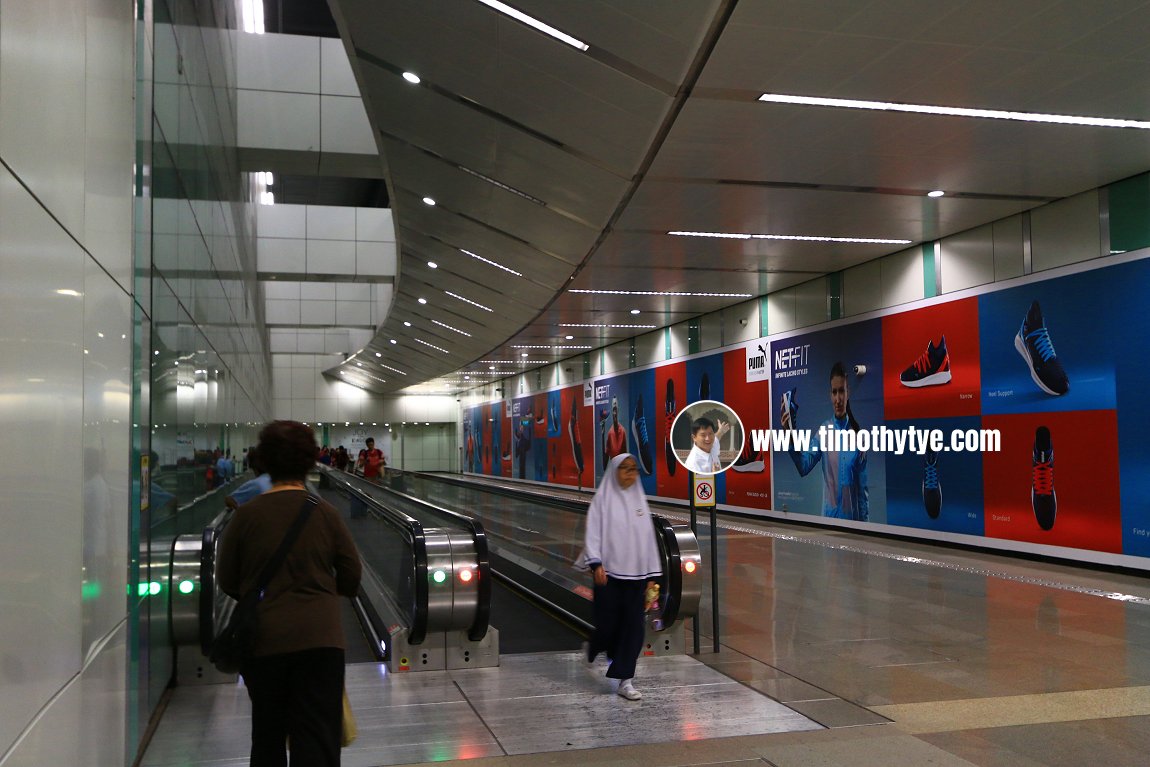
(211, 535)
(672, 570)
(413, 529)
(482, 622)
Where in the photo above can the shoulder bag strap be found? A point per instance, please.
(289, 538)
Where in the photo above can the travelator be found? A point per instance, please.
(423, 603)
(425, 597)
(534, 537)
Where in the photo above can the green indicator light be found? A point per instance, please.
(89, 590)
(153, 588)
(187, 587)
(439, 576)
(143, 589)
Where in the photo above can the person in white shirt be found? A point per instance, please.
(622, 553)
(704, 457)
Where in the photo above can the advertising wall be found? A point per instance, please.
(1035, 388)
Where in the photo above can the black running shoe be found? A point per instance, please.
(639, 431)
(1042, 496)
(573, 432)
(750, 461)
(931, 487)
(1033, 343)
(932, 367)
(672, 461)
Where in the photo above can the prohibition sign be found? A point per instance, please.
(704, 490)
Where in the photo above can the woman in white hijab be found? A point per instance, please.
(622, 553)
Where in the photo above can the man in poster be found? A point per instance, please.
(844, 471)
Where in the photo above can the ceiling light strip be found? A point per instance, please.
(595, 325)
(492, 263)
(467, 301)
(500, 184)
(433, 346)
(553, 346)
(928, 109)
(662, 293)
(796, 237)
(534, 23)
(457, 330)
(393, 370)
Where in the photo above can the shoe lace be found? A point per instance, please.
(1044, 477)
(930, 480)
(1040, 338)
(641, 424)
(922, 364)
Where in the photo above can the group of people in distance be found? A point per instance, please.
(370, 462)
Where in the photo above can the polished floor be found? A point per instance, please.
(836, 649)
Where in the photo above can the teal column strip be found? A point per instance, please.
(1129, 207)
(763, 316)
(586, 366)
(835, 295)
(666, 343)
(930, 270)
(694, 337)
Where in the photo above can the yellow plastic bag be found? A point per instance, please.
(349, 730)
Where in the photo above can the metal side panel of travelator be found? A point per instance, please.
(542, 571)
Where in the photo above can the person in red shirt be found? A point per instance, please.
(615, 436)
(371, 460)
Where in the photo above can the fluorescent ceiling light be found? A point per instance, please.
(550, 346)
(501, 185)
(411, 77)
(422, 300)
(393, 370)
(394, 341)
(935, 193)
(662, 293)
(433, 265)
(406, 324)
(594, 325)
(457, 330)
(433, 346)
(797, 237)
(468, 301)
(929, 109)
(70, 292)
(569, 338)
(488, 261)
(379, 354)
(497, 362)
(534, 23)
(428, 201)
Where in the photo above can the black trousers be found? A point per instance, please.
(299, 696)
(620, 625)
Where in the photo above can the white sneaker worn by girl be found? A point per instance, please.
(628, 691)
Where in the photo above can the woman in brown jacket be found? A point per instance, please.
(295, 675)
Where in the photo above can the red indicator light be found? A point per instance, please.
(465, 576)
(689, 566)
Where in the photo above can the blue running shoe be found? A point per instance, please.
(790, 407)
(639, 432)
(1043, 499)
(931, 487)
(1033, 343)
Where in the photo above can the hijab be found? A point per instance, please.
(620, 535)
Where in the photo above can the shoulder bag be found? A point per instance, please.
(233, 645)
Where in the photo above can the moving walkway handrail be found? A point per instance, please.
(478, 628)
(414, 530)
(679, 546)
